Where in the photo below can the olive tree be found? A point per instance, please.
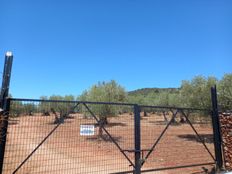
(225, 92)
(105, 92)
(196, 93)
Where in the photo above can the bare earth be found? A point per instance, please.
(66, 152)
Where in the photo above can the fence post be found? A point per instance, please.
(5, 105)
(137, 139)
(3, 131)
(216, 128)
(6, 76)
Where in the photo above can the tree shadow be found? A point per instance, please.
(207, 138)
(115, 124)
(159, 122)
(108, 124)
(105, 138)
(173, 123)
(60, 121)
(206, 170)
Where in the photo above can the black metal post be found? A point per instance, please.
(216, 129)
(137, 140)
(5, 105)
(6, 76)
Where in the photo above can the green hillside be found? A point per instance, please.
(148, 91)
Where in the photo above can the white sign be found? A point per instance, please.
(87, 130)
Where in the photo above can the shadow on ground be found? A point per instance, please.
(207, 138)
(104, 138)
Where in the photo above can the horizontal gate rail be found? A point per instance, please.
(174, 108)
(177, 167)
(167, 168)
(69, 101)
(111, 103)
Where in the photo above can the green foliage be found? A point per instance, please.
(29, 108)
(196, 93)
(225, 92)
(45, 107)
(16, 108)
(156, 96)
(148, 91)
(105, 92)
(138, 99)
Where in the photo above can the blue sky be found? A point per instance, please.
(65, 46)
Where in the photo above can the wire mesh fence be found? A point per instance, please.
(58, 137)
(177, 139)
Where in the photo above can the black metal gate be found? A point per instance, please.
(45, 136)
(178, 139)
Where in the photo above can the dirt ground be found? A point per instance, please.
(66, 152)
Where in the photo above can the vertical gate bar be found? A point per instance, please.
(137, 138)
(6, 76)
(5, 105)
(216, 129)
(3, 131)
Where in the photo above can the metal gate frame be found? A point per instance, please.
(139, 162)
(5, 104)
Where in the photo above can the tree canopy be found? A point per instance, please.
(193, 93)
(105, 92)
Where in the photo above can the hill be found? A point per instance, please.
(147, 91)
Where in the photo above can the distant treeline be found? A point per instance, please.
(147, 91)
(194, 93)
